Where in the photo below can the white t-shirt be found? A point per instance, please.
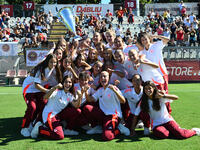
(124, 83)
(56, 103)
(128, 48)
(159, 117)
(132, 97)
(149, 73)
(90, 92)
(108, 101)
(96, 81)
(67, 72)
(50, 77)
(191, 17)
(128, 67)
(28, 85)
(154, 54)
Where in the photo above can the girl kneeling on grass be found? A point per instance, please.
(46, 74)
(56, 110)
(153, 102)
(109, 112)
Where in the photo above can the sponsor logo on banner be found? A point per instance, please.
(33, 57)
(8, 48)
(88, 9)
(5, 47)
(183, 70)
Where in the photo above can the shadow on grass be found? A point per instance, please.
(10, 130)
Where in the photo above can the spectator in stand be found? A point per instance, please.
(130, 17)
(173, 29)
(186, 36)
(180, 36)
(166, 15)
(198, 35)
(191, 17)
(180, 7)
(152, 14)
(167, 33)
(195, 23)
(118, 30)
(120, 15)
(183, 11)
(192, 34)
(109, 17)
(187, 23)
(34, 42)
(159, 30)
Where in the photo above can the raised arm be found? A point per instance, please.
(161, 94)
(87, 66)
(163, 38)
(77, 102)
(120, 97)
(41, 88)
(147, 62)
(48, 94)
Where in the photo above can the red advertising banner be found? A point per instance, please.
(130, 4)
(28, 5)
(183, 70)
(8, 9)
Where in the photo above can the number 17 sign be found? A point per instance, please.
(130, 4)
(28, 5)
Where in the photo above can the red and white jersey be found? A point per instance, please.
(154, 54)
(96, 79)
(132, 97)
(159, 117)
(67, 72)
(50, 77)
(28, 85)
(90, 92)
(56, 103)
(127, 66)
(124, 83)
(149, 73)
(128, 48)
(108, 101)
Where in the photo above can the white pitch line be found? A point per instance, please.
(10, 93)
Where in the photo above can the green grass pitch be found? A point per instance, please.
(186, 111)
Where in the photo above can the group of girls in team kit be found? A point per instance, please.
(101, 88)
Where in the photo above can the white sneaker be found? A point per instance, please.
(124, 130)
(95, 130)
(70, 132)
(140, 124)
(146, 131)
(25, 132)
(35, 131)
(197, 131)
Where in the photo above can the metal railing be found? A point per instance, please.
(182, 52)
